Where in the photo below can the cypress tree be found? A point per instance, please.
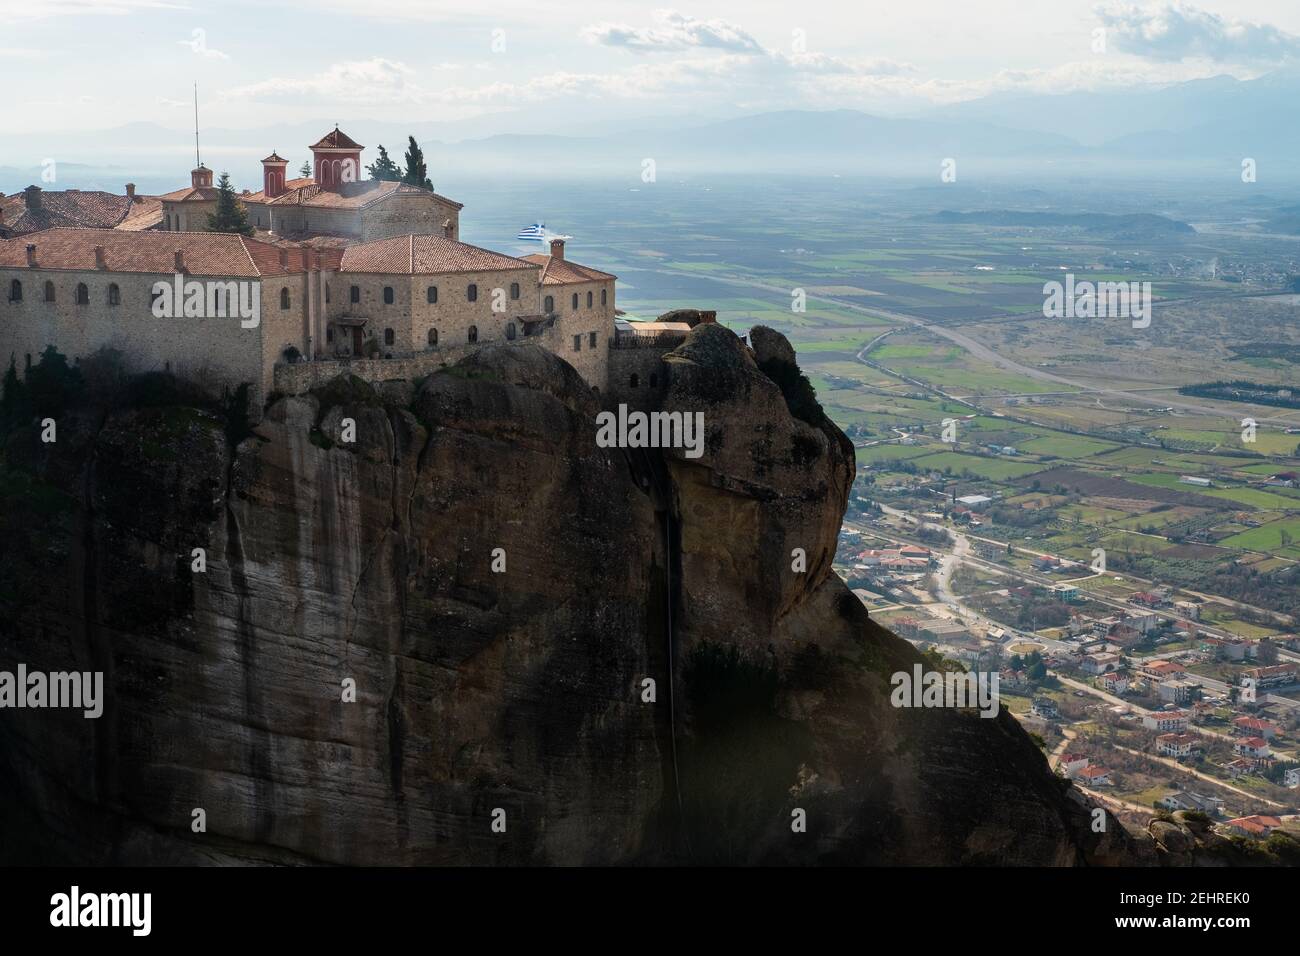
(230, 215)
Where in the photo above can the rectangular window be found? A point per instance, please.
(592, 340)
(577, 343)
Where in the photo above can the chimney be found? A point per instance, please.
(180, 261)
(557, 248)
(446, 228)
(130, 190)
(31, 255)
(32, 197)
(284, 258)
(100, 261)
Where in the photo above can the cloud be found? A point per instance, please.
(1176, 31)
(354, 81)
(674, 32)
(16, 11)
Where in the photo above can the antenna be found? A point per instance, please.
(197, 161)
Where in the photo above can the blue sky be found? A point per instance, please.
(85, 64)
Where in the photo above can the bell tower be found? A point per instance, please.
(336, 160)
(273, 168)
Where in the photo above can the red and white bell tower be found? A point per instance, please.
(273, 170)
(336, 160)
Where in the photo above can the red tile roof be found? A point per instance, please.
(564, 272)
(305, 192)
(70, 207)
(191, 194)
(336, 139)
(204, 253)
(275, 158)
(420, 255)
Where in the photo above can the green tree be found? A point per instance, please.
(52, 383)
(15, 404)
(384, 169)
(417, 174)
(230, 215)
(305, 169)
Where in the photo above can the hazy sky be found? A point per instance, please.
(70, 64)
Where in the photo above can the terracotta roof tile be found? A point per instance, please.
(305, 192)
(421, 255)
(336, 139)
(205, 253)
(565, 272)
(70, 207)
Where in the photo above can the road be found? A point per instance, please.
(1175, 765)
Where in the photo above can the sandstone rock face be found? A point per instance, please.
(498, 589)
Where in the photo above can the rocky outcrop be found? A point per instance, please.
(626, 656)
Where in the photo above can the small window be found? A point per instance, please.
(284, 298)
(514, 290)
(550, 304)
(327, 293)
(388, 336)
(431, 295)
(472, 292)
(575, 302)
(329, 333)
(354, 294)
(433, 335)
(577, 343)
(114, 294)
(83, 294)
(15, 291)
(603, 299)
(592, 340)
(49, 291)
(388, 295)
(589, 300)
(510, 330)
(473, 331)
(636, 380)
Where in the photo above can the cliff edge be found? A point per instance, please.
(497, 590)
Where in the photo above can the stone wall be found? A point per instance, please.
(220, 347)
(403, 213)
(301, 377)
(645, 366)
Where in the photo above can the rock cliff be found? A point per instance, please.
(498, 589)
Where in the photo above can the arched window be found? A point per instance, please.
(514, 290)
(15, 291)
(589, 300)
(284, 298)
(550, 304)
(603, 300)
(388, 295)
(388, 336)
(510, 330)
(433, 337)
(431, 295)
(327, 293)
(472, 292)
(49, 291)
(114, 294)
(636, 380)
(83, 294)
(473, 331)
(575, 301)
(354, 294)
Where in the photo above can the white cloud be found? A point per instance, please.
(1176, 31)
(674, 31)
(15, 11)
(354, 81)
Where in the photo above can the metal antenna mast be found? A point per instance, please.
(197, 162)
